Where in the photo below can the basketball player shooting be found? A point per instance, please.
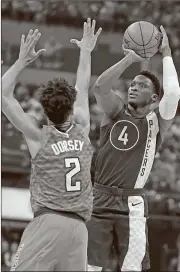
(60, 185)
(129, 138)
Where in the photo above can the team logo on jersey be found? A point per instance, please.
(124, 135)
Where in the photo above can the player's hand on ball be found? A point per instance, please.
(164, 47)
(27, 52)
(89, 39)
(132, 55)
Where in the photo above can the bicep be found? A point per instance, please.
(22, 121)
(109, 102)
(167, 110)
(164, 125)
(169, 104)
(81, 114)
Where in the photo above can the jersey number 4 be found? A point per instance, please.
(123, 137)
(77, 168)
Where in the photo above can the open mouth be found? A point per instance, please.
(132, 95)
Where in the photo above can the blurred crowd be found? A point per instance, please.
(112, 15)
(171, 257)
(9, 245)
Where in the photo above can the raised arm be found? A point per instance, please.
(10, 106)
(169, 102)
(106, 98)
(86, 45)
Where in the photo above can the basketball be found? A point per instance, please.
(142, 37)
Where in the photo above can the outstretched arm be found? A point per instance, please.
(86, 45)
(106, 98)
(169, 102)
(10, 106)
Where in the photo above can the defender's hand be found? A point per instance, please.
(132, 55)
(164, 47)
(89, 39)
(27, 52)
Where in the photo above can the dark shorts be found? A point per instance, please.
(118, 229)
(52, 242)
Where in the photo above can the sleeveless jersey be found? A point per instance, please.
(127, 150)
(60, 172)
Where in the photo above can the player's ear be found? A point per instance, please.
(154, 98)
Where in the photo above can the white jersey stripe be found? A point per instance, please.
(137, 235)
(149, 152)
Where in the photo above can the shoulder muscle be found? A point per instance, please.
(22, 121)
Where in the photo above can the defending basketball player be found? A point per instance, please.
(60, 185)
(130, 136)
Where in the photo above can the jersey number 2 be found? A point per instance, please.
(77, 168)
(123, 137)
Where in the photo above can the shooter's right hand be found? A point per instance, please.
(132, 55)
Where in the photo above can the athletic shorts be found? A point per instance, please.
(118, 229)
(52, 242)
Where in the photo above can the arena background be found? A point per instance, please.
(59, 21)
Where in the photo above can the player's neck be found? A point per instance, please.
(139, 112)
(63, 126)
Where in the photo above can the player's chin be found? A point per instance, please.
(132, 99)
(133, 104)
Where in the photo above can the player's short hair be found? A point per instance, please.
(57, 98)
(154, 80)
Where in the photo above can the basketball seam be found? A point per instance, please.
(149, 47)
(142, 39)
(151, 36)
(133, 39)
(148, 52)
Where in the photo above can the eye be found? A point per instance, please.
(132, 84)
(143, 85)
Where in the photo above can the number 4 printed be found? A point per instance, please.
(123, 137)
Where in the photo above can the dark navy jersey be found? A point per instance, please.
(60, 173)
(127, 150)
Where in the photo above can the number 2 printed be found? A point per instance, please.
(77, 168)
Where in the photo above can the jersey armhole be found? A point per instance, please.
(85, 135)
(44, 138)
(43, 142)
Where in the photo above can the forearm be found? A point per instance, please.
(82, 86)
(9, 79)
(83, 73)
(114, 72)
(169, 103)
